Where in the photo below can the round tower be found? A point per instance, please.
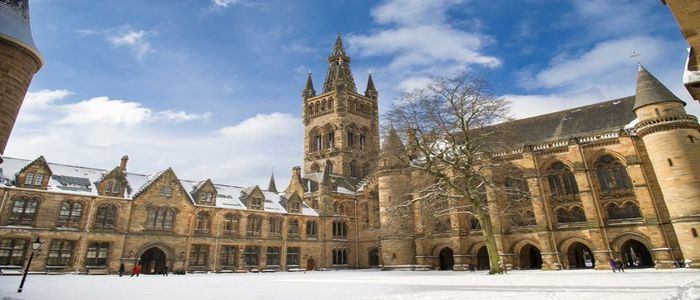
(672, 141)
(19, 61)
(395, 216)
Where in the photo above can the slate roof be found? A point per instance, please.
(341, 184)
(81, 181)
(591, 119)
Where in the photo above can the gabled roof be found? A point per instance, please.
(39, 160)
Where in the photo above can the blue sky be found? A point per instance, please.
(212, 87)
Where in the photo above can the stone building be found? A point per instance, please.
(615, 179)
(687, 13)
(19, 60)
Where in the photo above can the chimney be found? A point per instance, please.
(122, 166)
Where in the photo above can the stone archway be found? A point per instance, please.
(447, 261)
(153, 261)
(636, 255)
(482, 259)
(580, 256)
(530, 257)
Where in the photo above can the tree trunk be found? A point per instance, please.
(490, 240)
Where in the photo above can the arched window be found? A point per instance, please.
(254, 225)
(340, 230)
(442, 224)
(573, 215)
(323, 105)
(612, 177)
(523, 217)
(160, 218)
(275, 226)
(105, 217)
(70, 214)
(97, 254)
(351, 137)
(293, 228)
(353, 169)
(202, 222)
(23, 211)
(340, 256)
(474, 223)
(373, 257)
(562, 183)
(363, 139)
(314, 168)
(231, 222)
(311, 229)
(330, 137)
(629, 210)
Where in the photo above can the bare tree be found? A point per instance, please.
(450, 138)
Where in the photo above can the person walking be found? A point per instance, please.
(136, 270)
(620, 265)
(121, 269)
(613, 265)
(165, 270)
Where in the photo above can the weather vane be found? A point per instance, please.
(634, 56)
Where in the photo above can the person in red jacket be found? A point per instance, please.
(136, 270)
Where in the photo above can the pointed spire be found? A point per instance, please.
(371, 91)
(339, 75)
(272, 187)
(309, 89)
(326, 176)
(651, 91)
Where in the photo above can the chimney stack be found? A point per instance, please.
(122, 166)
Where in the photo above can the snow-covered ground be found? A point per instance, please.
(365, 284)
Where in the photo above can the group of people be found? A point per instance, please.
(617, 265)
(136, 270)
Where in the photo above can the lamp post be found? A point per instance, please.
(36, 245)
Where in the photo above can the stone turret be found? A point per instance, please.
(309, 91)
(397, 230)
(672, 140)
(19, 61)
(371, 91)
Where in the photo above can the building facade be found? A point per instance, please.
(615, 179)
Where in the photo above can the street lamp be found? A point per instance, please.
(36, 245)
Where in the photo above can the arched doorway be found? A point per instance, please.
(310, 264)
(374, 257)
(636, 255)
(530, 257)
(482, 259)
(580, 256)
(446, 259)
(153, 261)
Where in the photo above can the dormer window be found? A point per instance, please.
(36, 179)
(166, 191)
(294, 206)
(256, 203)
(113, 187)
(206, 197)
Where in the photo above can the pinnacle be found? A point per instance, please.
(650, 90)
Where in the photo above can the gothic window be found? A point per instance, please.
(12, 252)
(160, 218)
(251, 256)
(293, 229)
(562, 183)
(330, 138)
(316, 107)
(254, 225)
(573, 215)
(275, 226)
(629, 210)
(363, 139)
(60, 253)
(199, 255)
(340, 256)
(273, 256)
(227, 256)
(353, 169)
(442, 224)
(340, 230)
(97, 254)
(314, 168)
(351, 138)
(330, 167)
(70, 214)
(330, 103)
(202, 221)
(231, 222)
(293, 254)
(23, 211)
(311, 229)
(294, 206)
(323, 105)
(336, 208)
(612, 176)
(474, 223)
(256, 203)
(523, 218)
(105, 217)
(516, 188)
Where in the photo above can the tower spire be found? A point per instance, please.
(371, 91)
(339, 75)
(272, 187)
(309, 88)
(650, 90)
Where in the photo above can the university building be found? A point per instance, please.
(614, 179)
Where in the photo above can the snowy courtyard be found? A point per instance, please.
(365, 284)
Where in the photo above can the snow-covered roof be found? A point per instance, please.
(81, 181)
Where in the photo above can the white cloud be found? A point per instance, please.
(421, 42)
(136, 40)
(102, 110)
(224, 3)
(43, 98)
(263, 126)
(181, 116)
